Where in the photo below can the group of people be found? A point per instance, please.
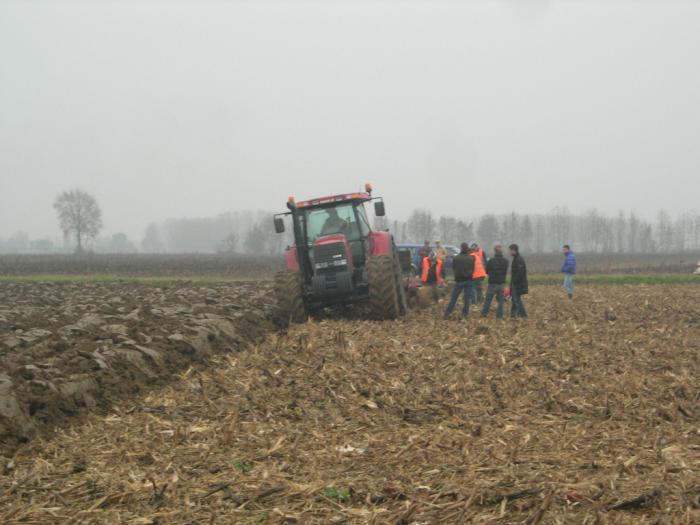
(471, 268)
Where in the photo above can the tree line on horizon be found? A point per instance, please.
(591, 231)
(252, 232)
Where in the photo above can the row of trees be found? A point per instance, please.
(80, 220)
(591, 231)
(20, 242)
(233, 232)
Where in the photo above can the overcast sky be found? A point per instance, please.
(165, 109)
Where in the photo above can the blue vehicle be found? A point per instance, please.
(415, 253)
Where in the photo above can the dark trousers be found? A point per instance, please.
(461, 287)
(497, 291)
(517, 308)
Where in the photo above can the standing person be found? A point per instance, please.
(569, 270)
(479, 274)
(441, 254)
(463, 268)
(425, 250)
(497, 270)
(518, 283)
(420, 255)
(480, 251)
(432, 274)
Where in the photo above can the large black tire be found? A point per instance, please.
(400, 288)
(290, 298)
(384, 296)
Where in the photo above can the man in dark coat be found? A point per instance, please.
(463, 268)
(497, 270)
(518, 283)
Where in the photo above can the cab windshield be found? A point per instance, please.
(340, 219)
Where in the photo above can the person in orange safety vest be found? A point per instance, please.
(432, 274)
(479, 274)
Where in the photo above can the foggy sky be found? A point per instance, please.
(167, 109)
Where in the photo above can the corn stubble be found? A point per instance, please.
(585, 413)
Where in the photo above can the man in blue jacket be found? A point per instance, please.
(569, 270)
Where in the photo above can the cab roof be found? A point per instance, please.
(332, 199)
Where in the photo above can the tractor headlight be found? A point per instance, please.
(331, 264)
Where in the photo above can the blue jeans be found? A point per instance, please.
(517, 307)
(460, 288)
(497, 290)
(569, 283)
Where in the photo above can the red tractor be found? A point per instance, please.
(337, 258)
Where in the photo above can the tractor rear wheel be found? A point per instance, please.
(400, 288)
(290, 297)
(384, 297)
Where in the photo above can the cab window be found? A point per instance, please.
(364, 222)
(329, 221)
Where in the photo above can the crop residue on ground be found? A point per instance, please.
(586, 413)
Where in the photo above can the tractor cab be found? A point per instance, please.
(341, 221)
(333, 247)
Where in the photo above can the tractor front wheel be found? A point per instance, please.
(290, 297)
(385, 294)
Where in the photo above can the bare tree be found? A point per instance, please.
(560, 227)
(447, 230)
(620, 229)
(646, 240)
(420, 225)
(664, 231)
(152, 242)
(525, 233)
(120, 243)
(79, 215)
(464, 232)
(540, 234)
(488, 230)
(228, 244)
(633, 237)
(511, 228)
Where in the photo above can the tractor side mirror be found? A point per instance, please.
(379, 210)
(279, 225)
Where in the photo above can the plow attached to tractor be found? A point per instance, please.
(337, 258)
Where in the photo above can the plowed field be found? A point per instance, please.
(584, 413)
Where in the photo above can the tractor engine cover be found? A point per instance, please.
(333, 266)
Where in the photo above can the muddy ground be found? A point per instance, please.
(66, 349)
(585, 413)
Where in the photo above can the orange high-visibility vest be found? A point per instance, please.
(426, 269)
(479, 270)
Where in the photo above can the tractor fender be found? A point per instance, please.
(381, 243)
(291, 259)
